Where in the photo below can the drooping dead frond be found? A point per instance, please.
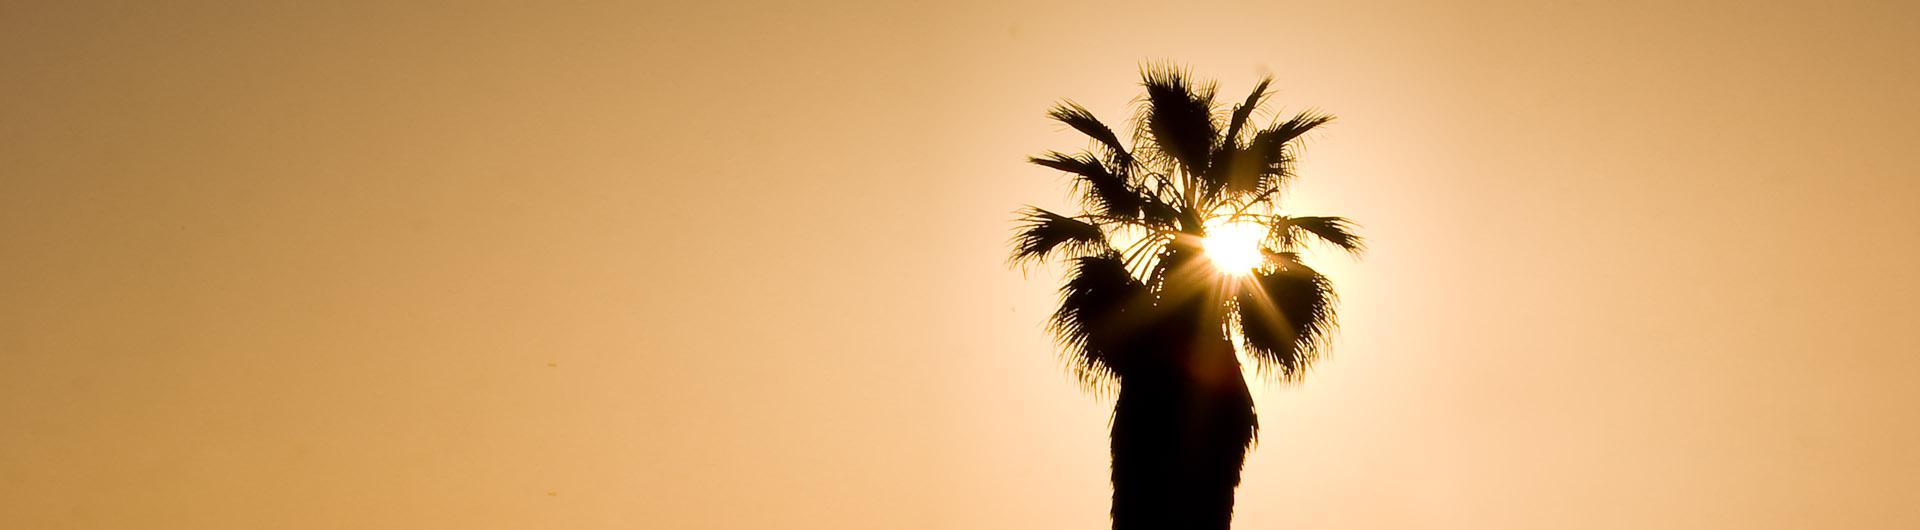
(1286, 317)
(1101, 306)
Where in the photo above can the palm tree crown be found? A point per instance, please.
(1136, 252)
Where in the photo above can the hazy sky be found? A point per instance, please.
(713, 266)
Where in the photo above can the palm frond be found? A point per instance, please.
(1336, 230)
(1295, 127)
(1158, 212)
(1100, 306)
(1286, 317)
(1102, 190)
(1083, 120)
(1043, 233)
(1220, 174)
(1267, 159)
(1180, 116)
(1242, 112)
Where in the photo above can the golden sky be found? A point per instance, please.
(705, 265)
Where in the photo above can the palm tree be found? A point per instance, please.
(1153, 305)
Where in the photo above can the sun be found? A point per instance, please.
(1234, 248)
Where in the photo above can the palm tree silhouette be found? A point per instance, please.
(1147, 309)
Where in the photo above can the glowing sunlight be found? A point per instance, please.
(1234, 248)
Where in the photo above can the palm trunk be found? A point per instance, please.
(1181, 430)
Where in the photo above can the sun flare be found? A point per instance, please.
(1234, 248)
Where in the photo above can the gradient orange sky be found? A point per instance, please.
(706, 265)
